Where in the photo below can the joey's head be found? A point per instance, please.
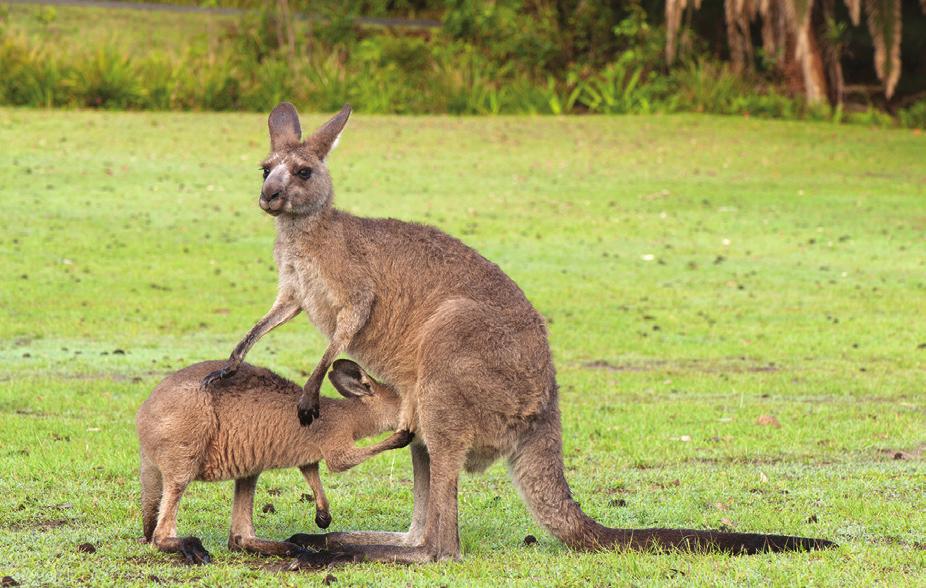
(296, 179)
(351, 381)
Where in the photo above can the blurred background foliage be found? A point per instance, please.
(861, 60)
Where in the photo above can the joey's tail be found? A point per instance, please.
(537, 470)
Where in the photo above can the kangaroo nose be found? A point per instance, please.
(271, 190)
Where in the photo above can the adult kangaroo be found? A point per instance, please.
(455, 336)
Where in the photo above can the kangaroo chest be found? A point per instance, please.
(316, 297)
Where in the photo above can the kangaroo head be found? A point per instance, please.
(296, 180)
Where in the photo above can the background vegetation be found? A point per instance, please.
(468, 57)
(735, 308)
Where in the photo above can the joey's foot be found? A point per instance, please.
(220, 374)
(322, 518)
(315, 541)
(403, 438)
(193, 551)
(265, 547)
(308, 410)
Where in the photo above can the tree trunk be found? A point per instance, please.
(810, 58)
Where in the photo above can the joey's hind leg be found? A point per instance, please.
(421, 469)
(322, 515)
(242, 536)
(339, 461)
(440, 539)
(346, 458)
(151, 493)
(448, 442)
(165, 533)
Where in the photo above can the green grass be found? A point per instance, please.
(697, 273)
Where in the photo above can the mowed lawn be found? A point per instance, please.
(736, 309)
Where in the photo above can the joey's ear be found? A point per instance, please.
(284, 126)
(350, 380)
(326, 137)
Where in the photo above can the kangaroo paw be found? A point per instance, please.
(193, 551)
(307, 412)
(322, 519)
(221, 374)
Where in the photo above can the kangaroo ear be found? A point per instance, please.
(325, 139)
(284, 126)
(350, 380)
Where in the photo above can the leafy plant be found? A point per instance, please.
(913, 116)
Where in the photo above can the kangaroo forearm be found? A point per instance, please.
(334, 349)
(349, 322)
(281, 312)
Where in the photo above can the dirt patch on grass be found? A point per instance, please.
(904, 455)
(891, 540)
(707, 366)
(111, 376)
(41, 525)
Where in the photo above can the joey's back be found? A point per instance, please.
(246, 424)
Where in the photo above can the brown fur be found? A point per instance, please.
(241, 427)
(456, 337)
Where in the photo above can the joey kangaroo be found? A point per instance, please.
(239, 428)
(455, 336)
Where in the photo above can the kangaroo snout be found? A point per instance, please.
(272, 197)
(272, 204)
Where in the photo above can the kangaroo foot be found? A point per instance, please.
(314, 541)
(193, 551)
(266, 546)
(319, 559)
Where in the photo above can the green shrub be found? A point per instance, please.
(107, 79)
(616, 90)
(913, 116)
(508, 56)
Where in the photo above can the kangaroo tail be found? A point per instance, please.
(537, 470)
(151, 490)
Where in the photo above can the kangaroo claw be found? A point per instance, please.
(222, 374)
(322, 519)
(307, 414)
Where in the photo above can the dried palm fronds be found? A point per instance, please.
(674, 10)
(884, 24)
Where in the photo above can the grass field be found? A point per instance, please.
(698, 273)
(134, 32)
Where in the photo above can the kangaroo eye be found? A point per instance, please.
(266, 171)
(305, 173)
